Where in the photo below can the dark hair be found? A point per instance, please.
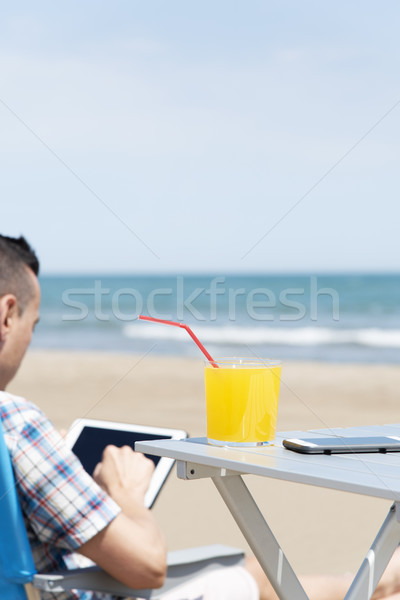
(16, 255)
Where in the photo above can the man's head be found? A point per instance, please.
(16, 259)
(19, 303)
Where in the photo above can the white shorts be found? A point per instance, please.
(229, 583)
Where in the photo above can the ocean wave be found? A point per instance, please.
(299, 336)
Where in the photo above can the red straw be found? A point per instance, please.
(190, 332)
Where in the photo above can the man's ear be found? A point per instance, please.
(8, 310)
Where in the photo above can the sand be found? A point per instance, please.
(321, 531)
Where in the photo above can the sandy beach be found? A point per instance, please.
(320, 530)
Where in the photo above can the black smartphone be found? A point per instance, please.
(351, 445)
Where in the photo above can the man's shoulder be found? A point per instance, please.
(17, 410)
(8, 400)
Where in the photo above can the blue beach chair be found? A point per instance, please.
(19, 579)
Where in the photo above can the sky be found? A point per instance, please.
(181, 136)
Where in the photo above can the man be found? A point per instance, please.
(103, 518)
(66, 510)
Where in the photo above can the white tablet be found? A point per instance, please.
(88, 437)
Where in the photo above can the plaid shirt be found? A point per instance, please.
(63, 506)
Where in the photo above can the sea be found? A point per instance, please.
(322, 317)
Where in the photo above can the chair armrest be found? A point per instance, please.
(182, 566)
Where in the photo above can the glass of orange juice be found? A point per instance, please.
(242, 400)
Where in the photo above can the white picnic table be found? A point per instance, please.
(373, 474)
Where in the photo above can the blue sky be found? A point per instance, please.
(214, 136)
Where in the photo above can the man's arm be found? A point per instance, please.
(131, 548)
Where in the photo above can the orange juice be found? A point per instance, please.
(242, 401)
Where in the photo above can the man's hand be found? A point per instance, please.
(124, 473)
(131, 547)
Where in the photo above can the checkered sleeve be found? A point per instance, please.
(62, 503)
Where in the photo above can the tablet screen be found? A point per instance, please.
(92, 440)
(88, 437)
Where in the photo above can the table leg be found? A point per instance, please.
(260, 537)
(377, 558)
